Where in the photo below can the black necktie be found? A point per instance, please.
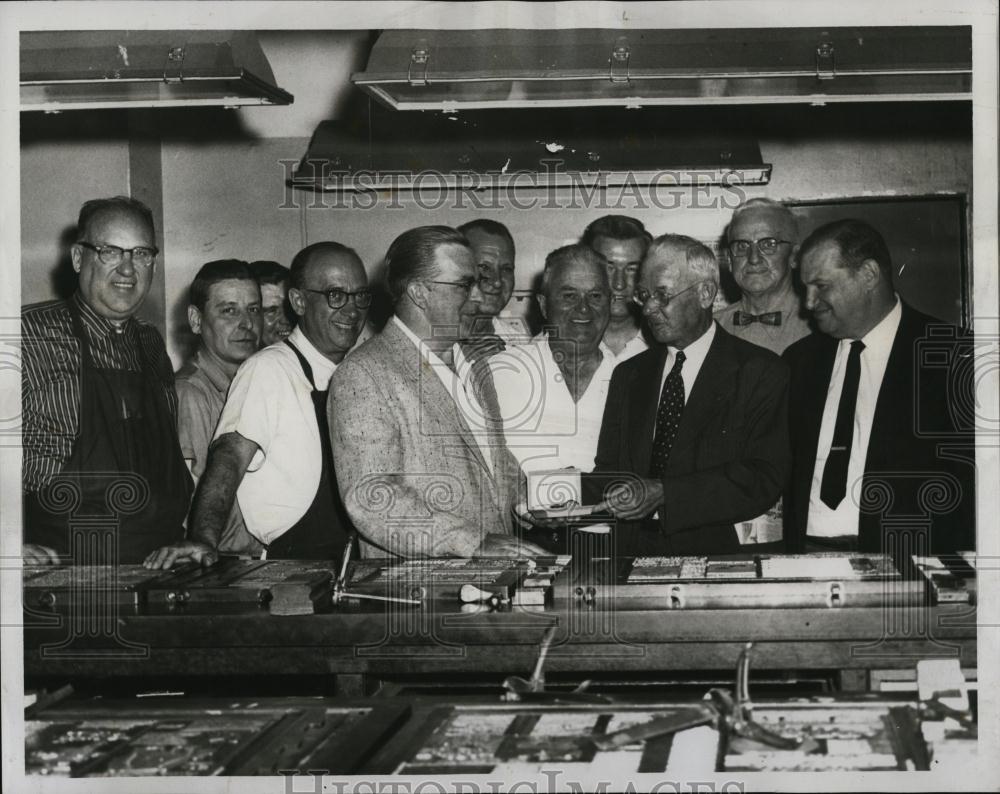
(834, 484)
(767, 318)
(668, 416)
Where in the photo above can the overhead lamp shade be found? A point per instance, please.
(526, 149)
(77, 70)
(498, 68)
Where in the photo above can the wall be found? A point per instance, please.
(56, 178)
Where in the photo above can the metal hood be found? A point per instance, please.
(498, 68)
(76, 70)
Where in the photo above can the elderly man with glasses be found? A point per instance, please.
(694, 439)
(99, 406)
(762, 240)
(271, 450)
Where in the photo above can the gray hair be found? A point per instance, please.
(700, 259)
(769, 205)
(570, 255)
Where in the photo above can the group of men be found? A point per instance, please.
(767, 424)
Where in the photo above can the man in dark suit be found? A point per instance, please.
(694, 437)
(880, 453)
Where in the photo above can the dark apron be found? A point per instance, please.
(125, 489)
(324, 529)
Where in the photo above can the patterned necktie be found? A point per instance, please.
(767, 318)
(833, 487)
(668, 417)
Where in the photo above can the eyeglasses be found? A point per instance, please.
(337, 298)
(765, 245)
(466, 283)
(660, 296)
(595, 299)
(112, 255)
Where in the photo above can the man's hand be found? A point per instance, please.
(508, 546)
(633, 501)
(185, 551)
(33, 554)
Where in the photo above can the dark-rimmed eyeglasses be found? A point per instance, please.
(337, 298)
(113, 255)
(466, 283)
(765, 245)
(660, 296)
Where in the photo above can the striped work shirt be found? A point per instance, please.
(50, 377)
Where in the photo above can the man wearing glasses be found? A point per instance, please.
(272, 445)
(698, 423)
(762, 241)
(99, 406)
(421, 460)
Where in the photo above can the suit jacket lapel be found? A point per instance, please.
(435, 400)
(813, 401)
(708, 389)
(645, 400)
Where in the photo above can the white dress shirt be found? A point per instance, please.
(843, 522)
(633, 347)
(544, 427)
(270, 403)
(458, 384)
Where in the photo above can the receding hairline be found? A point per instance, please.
(766, 206)
(113, 212)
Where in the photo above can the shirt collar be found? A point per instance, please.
(208, 365)
(322, 367)
(878, 341)
(695, 353)
(429, 355)
(95, 323)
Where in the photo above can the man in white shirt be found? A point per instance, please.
(621, 242)
(271, 448)
(421, 461)
(877, 436)
(552, 391)
(695, 433)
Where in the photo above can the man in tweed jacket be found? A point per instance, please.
(418, 447)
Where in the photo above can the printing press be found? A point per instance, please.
(492, 665)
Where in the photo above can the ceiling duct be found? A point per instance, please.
(453, 70)
(78, 70)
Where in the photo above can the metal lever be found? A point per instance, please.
(737, 714)
(341, 593)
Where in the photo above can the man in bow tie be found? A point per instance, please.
(762, 241)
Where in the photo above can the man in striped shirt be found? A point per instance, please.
(104, 480)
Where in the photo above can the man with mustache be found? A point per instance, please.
(224, 311)
(99, 407)
(621, 242)
(698, 424)
(272, 450)
(875, 414)
(762, 239)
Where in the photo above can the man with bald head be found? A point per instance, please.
(762, 240)
(99, 406)
(272, 445)
(697, 424)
